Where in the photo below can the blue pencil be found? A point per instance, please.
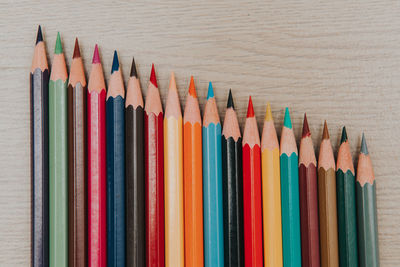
(212, 184)
(115, 125)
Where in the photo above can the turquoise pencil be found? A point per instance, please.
(212, 184)
(290, 196)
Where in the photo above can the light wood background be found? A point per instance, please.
(336, 60)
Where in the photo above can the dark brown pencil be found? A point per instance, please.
(39, 105)
(135, 197)
(77, 170)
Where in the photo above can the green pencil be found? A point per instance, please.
(346, 205)
(366, 210)
(58, 159)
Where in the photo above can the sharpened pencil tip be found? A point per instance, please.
(192, 88)
(325, 134)
(133, 68)
(172, 82)
(210, 92)
(39, 36)
(153, 78)
(306, 128)
(287, 121)
(250, 109)
(58, 49)
(96, 56)
(230, 103)
(115, 63)
(268, 113)
(77, 52)
(344, 135)
(364, 148)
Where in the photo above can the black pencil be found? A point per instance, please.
(135, 198)
(39, 104)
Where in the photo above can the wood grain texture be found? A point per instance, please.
(315, 57)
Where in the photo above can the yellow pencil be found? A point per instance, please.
(271, 193)
(173, 179)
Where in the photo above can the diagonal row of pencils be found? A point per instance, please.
(116, 182)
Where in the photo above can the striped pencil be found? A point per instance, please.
(39, 98)
(271, 193)
(193, 180)
(252, 212)
(77, 164)
(115, 133)
(366, 210)
(327, 203)
(290, 196)
(308, 190)
(154, 171)
(212, 184)
(346, 205)
(58, 160)
(97, 186)
(173, 183)
(232, 180)
(134, 138)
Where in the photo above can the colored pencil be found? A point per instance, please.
(232, 180)
(212, 184)
(58, 160)
(115, 136)
(271, 193)
(193, 180)
(308, 190)
(97, 180)
(77, 164)
(346, 205)
(39, 105)
(327, 203)
(134, 137)
(366, 210)
(290, 196)
(173, 164)
(154, 171)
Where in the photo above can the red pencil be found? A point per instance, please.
(252, 213)
(96, 130)
(154, 174)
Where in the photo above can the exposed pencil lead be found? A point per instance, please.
(133, 69)
(172, 82)
(210, 92)
(115, 63)
(192, 88)
(268, 113)
(58, 49)
(306, 129)
(39, 36)
(344, 135)
(77, 52)
(153, 78)
(250, 109)
(96, 56)
(230, 103)
(325, 134)
(364, 148)
(287, 122)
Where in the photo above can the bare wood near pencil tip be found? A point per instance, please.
(288, 144)
(173, 106)
(134, 93)
(251, 136)
(39, 60)
(344, 160)
(231, 125)
(365, 172)
(59, 68)
(210, 112)
(307, 154)
(77, 73)
(153, 100)
(116, 85)
(96, 79)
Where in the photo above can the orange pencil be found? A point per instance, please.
(193, 180)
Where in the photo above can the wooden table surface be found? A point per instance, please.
(337, 60)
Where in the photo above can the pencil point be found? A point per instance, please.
(325, 134)
(250, 109)
(58, 49)
(115, 63)
(306, 129)
(39, 36)
(210, 92)
(192, 88)
(77, 53)
(133, 68)
(230, 103)
(153, 78)
(344, 135)
(287, 122)
(364, 148)
(96, 56)
(172, 82)
(268, 113)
